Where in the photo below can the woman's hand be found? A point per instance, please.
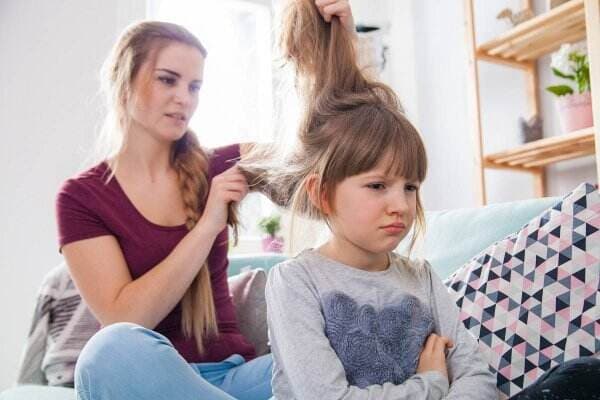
(337, 8)
(433, 356)
(229, 186)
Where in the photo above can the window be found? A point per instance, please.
(236, 99)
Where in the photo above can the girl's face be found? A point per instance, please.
(372, 212)
(166, 94)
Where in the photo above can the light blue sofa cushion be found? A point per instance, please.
(31, 392)
(265, 261)
(453, 237)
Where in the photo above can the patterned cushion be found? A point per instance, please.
(532, 299)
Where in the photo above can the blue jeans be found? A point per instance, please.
(126, 361)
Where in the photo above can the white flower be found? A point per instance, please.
(580, 47)
(560, 59)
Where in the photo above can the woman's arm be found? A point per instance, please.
(102, 276)
(306, 366)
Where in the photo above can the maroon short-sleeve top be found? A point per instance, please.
(88, 207)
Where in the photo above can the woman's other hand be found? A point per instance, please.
(338, 8)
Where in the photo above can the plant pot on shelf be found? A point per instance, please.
(575, 111)
(272, 244)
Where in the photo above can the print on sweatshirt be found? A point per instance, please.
(367, 341)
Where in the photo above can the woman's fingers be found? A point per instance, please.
(339, 8)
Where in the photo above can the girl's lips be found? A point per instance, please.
(394, 228)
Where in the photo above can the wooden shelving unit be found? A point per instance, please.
(520, 48)
(546, 151)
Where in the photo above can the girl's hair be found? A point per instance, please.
(141, 43)
(350, 123)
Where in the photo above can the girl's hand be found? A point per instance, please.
(229, 186)
(433, 356)
(338, 8)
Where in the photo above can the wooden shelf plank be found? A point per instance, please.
(545, 151)
(537, 36)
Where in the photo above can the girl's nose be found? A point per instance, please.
(398, 203)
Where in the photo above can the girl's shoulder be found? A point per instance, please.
(417, 267)
(295, 267)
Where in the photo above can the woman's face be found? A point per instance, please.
(165, 95)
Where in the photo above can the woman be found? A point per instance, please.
(144, 234)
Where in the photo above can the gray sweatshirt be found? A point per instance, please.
(338, 332)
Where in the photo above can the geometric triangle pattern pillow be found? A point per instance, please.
(532, 299)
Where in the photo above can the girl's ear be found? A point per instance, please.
(312, 188)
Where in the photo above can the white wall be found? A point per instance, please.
(51, 52)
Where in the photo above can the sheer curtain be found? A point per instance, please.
(236, 99)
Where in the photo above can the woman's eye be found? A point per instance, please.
(194, 88)
(412, 188)
(376, 186)
(167, 80)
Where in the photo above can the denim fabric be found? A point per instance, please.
(126, 361)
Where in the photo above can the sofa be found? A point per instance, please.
(454, 242)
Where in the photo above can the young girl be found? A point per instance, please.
(351, 319)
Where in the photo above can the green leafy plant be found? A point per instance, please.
(571, 63)
(270, 225)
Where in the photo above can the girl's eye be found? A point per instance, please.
(376, 186)
(167, 80)
(412, 188)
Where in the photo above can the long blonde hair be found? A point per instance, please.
(349, 122)
(140, 43)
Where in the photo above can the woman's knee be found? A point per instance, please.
(113, 348)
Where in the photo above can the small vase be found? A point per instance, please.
(272, 244)
(575, 111)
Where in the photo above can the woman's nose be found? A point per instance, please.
(182, 96)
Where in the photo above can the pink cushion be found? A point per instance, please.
(532, 299)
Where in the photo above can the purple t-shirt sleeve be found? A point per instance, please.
(223, 158)
(75, 218)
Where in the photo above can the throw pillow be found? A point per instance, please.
(248, 294)
(532, 299)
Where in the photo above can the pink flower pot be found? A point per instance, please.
(272, 244)
(575, 111)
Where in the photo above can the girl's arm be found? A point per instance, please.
(306, 366)
(468, 371)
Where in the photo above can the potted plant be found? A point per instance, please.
(271, 226)
(574, 108)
